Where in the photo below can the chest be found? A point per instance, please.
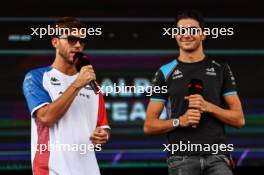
(181, 76)
(56, 85)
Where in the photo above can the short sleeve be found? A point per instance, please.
(229, 84)
(34, 92)
(159, 88)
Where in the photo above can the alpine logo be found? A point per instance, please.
(88, 88)
(216, 63)
(54, 81)
(177, 74)
(210, 71)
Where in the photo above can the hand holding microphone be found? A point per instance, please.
(87, 74)
(197, 104)
(190, 118)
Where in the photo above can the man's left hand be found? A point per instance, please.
(198, 102)
(100, 136)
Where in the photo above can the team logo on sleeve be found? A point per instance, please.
(154, 80)
(177, 74)
(210, 71)
(231, 75)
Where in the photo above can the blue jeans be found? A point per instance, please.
(199, 165)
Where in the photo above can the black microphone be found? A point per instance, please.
(195, 86)
(80, 60)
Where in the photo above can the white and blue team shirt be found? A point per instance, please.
(43, 86)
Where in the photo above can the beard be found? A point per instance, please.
(64, 55)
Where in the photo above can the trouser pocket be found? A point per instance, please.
(175, 161)
(227, 159)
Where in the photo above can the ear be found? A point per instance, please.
(204, 36)
(54, 42)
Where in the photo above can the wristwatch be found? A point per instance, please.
(175, 122)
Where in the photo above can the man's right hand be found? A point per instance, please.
(86, 75)
(51, 113)
(190, 118)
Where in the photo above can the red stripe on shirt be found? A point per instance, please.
(102, 117)
(41, 159)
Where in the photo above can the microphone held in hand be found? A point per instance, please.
(80, 60)
(195, 87)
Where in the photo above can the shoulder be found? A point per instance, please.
(37, 74)
(166, 69)
(218, 65)
(34, 78)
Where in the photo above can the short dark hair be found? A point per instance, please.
(191, 14)
(68, 22)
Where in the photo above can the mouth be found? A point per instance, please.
(187, 42)
(72, 53)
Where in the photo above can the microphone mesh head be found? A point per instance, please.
(196, 87)
(78, 55)
(80, 60)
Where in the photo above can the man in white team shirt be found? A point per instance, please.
(65, 110)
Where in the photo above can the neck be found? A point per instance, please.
(193, 56)
(64, 67)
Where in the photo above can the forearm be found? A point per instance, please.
(59, 107)
(157, 126)
(231, 117)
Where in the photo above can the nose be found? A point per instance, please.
(186, 36)
(77, 44)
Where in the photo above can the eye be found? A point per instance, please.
(72, 39)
